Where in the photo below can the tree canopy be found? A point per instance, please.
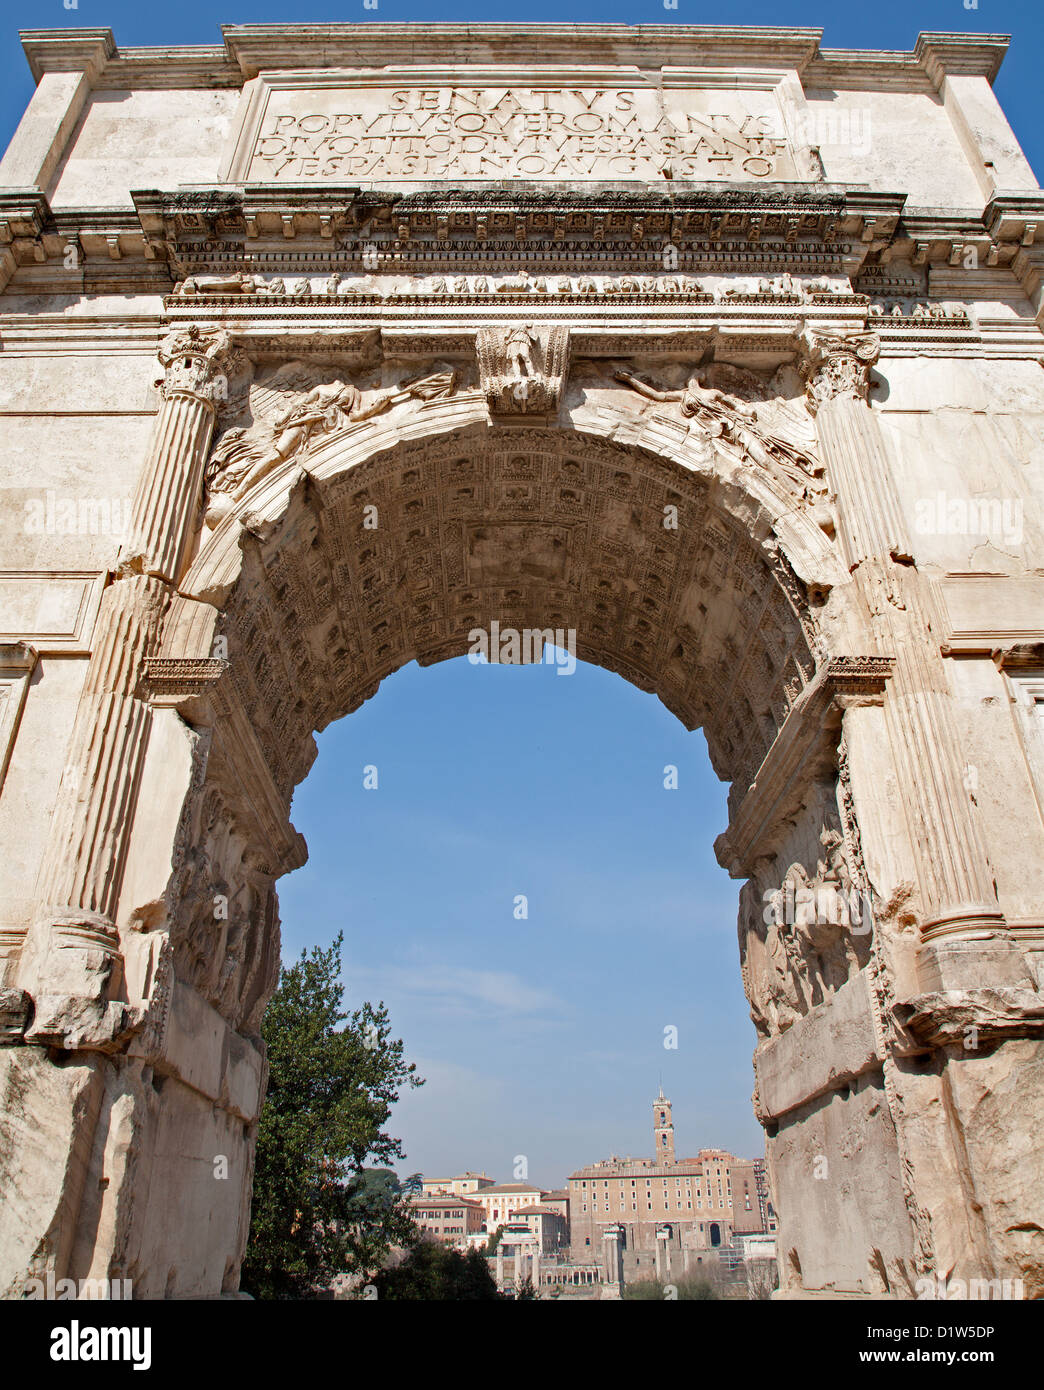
(318, 1211)
(434, 1271)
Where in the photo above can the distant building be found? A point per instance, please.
(548, 1226)
(505, 1200)
(558, 1200)
(768, 1211)
(461, 1186)
(648, 1217)
(759, 1246)
(449, 1219)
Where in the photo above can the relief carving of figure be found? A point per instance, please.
(768, 959)
(238, 283)
(289, 409)
(775, 437)
(521, 369)
(519, 351)
(799, 943)
(831, 924)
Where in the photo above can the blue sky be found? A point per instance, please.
(540, 1037)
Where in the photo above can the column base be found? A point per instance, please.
(970, 949)
(72, 974)
(971, 1018)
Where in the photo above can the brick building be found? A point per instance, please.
(448, 1218)
(690, 1207)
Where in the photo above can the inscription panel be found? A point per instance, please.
(405, 131)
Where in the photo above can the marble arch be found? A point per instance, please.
(699, 415)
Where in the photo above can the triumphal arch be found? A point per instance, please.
(326, 346)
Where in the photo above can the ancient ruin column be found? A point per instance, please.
(613, 1246)
(960, 907)
(71, 965)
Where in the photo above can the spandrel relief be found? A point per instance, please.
(743, 416)
(290, 410)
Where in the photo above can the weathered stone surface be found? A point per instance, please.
(16, 1009)
(48, 1111)
(831, 1046)
(850, 1232)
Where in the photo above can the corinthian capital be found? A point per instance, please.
(197, 362)
(837, 367)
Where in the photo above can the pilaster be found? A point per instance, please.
(962, 927)
(72, 964)
(65, 63)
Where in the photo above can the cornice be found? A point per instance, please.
(67, 50)
(261, 47)
(249, 49)
(523, 230)
(963, 55)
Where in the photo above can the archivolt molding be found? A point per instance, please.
(760, 499)
(538, 527)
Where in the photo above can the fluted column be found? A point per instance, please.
(72, 964)
(167, 498)
(952, 865)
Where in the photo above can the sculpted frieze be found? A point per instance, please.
(289, 409)
(801, 941)
(747, 421)
(925, 314)
(782, 288)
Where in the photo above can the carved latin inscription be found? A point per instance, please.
(520, 132)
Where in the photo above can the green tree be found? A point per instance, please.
(435, 1271)
(333, 1078)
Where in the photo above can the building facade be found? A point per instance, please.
(503, 1201)
(548, 1226)
(460, 1186)
(700, 1203)
(452, 1220)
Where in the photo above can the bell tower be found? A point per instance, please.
(663, 1128)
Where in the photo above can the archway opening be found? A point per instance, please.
(522, 864)
(389, 550)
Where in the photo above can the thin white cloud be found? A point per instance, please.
(495, 992)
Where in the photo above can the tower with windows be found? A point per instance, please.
(663, 1127)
